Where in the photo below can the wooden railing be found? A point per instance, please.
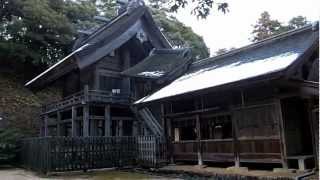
(258, 149)
(57, 154)
(83, 97)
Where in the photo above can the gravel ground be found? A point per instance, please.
(225, 171)
(21, 174)
(169, 172)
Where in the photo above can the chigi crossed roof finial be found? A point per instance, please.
(129, 5)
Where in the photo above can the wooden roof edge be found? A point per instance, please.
(237, 84)
(303, 57)
(103, 27)
(164, 40)
(55, 65)
(184, 52)
(175, 72)
(311, 26)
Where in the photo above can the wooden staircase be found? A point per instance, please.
(146, 115)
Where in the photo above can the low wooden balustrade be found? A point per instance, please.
(256, 149)
(83, 97)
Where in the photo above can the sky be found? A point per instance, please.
(233, 29)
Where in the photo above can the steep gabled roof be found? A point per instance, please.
(267, 57)
(160, 63)
(103, 41)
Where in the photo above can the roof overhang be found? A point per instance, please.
(160, 63)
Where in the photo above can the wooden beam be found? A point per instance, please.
(107, 121)
(309, 91)
(124, 118)
(191, 112)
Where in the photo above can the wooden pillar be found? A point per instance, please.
(86, 93)
(313, 133)
(135, 128)
(282, 134)
(235, 133)
(73, 121)
(86, 115)
(93, 127)
(85, 120)
(126, 65)
(59, 124)
(169, 140)
(163, 121)
(199, 145)
(120, 127)
(107, 121)
(45, 124)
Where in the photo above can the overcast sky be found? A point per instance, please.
(233, 28)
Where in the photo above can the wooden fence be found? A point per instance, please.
(55, 154)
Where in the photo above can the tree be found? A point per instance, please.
(267, 27)
(8, 144)
(179, 34)
(200, 8)
(41, 30)
(297, 22)
(224, 50)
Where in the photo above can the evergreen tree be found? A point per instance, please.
(267, 27)
(297, 22)
(224, 50)
(179, 34)
(41, 30)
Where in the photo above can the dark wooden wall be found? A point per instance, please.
(255, 115)
(71, 83)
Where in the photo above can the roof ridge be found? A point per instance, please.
(111, 22)
(259, 43)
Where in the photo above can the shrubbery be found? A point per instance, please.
(8, 145)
